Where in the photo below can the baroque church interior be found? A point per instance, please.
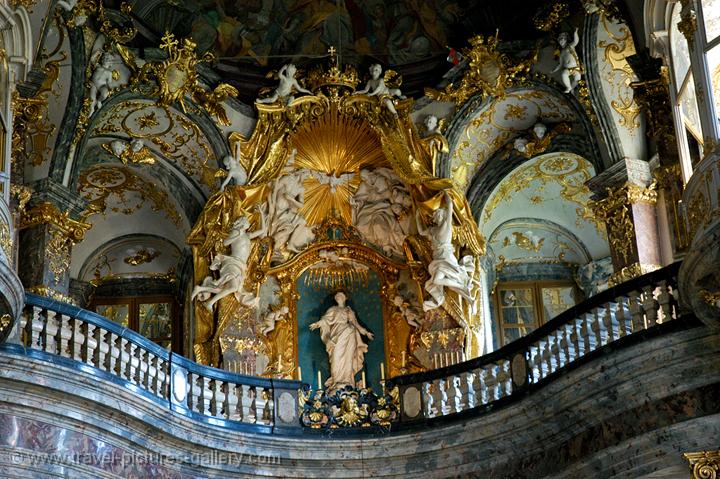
(357, 238)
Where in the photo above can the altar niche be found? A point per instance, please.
(367, 304)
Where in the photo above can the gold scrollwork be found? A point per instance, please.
(50, 293)
(489, 73)
(177, 77)
(556, 14)
(98, 183)
(704, 465)
(688, 22)
(615, 210)
(64, 232)
(630, 272)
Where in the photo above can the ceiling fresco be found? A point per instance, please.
(413, 36)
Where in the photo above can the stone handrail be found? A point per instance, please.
(124, 356)
(574, 335)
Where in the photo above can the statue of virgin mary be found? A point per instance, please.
(342, 335)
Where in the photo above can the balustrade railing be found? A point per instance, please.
(621, 311)
(205, 393)
(258, 404)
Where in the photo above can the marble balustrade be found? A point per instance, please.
(619, 312)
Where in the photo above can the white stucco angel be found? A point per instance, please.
(286, 225)
(132, 152)
(409, 314)
(235, 172)
(286, 85)
(568, 62)
(444, 269)
(268, 323)
(342, 335)
(232, 268)
(376, 87)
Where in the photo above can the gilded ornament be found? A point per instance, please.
(51, 293)
(688, 22)
(620, 76)
(101, 182)
(6, 241)
(5, 322)
(704, 465)
(630, 272)
(548, 20)
(711, 298)
(21, 194)
(177, 78)
(141, 256)
(488, 73)
(616, 211)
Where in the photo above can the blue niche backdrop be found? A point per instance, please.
(312, 304)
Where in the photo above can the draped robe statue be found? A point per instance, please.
(341, 333)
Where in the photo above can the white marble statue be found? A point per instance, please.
(232, 268)
(380, 207)
(109, 73)
(444, 269)
(568, 63)
(431, 125)
(539, 130)
(408, 313)
(268, 323)
(342, 335)
(520, 144)
(376, 87)
(235, 172)
(286, 225)
(286, 85)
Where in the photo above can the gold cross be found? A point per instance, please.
(332, 51)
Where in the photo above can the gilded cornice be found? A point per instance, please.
(48, 213)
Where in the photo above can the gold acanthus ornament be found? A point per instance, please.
(177, 77)
(705, 464)
(359, 132)
(489, 73)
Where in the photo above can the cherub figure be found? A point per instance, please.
(411, 316)
(431, 125)
(376, 87)
(101, 82)
(235, 171)
(285, 87)
(568, 63)
(271, 318)
(133, 152)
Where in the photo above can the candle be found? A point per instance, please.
(319, 380)
(382, 371)
(363, 379)
(403, 359)
(299, 373)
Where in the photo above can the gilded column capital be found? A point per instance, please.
(704, 464)
(48, 213)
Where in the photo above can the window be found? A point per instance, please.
(155, 317)
(523, 306)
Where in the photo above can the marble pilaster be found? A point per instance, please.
(625, 199)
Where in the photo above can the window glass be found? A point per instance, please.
(713, 57)
(679, 48)
(118, 313)
(711, 17)
(155, 322)
(518, 316)
(689, 107)
(556, 300)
